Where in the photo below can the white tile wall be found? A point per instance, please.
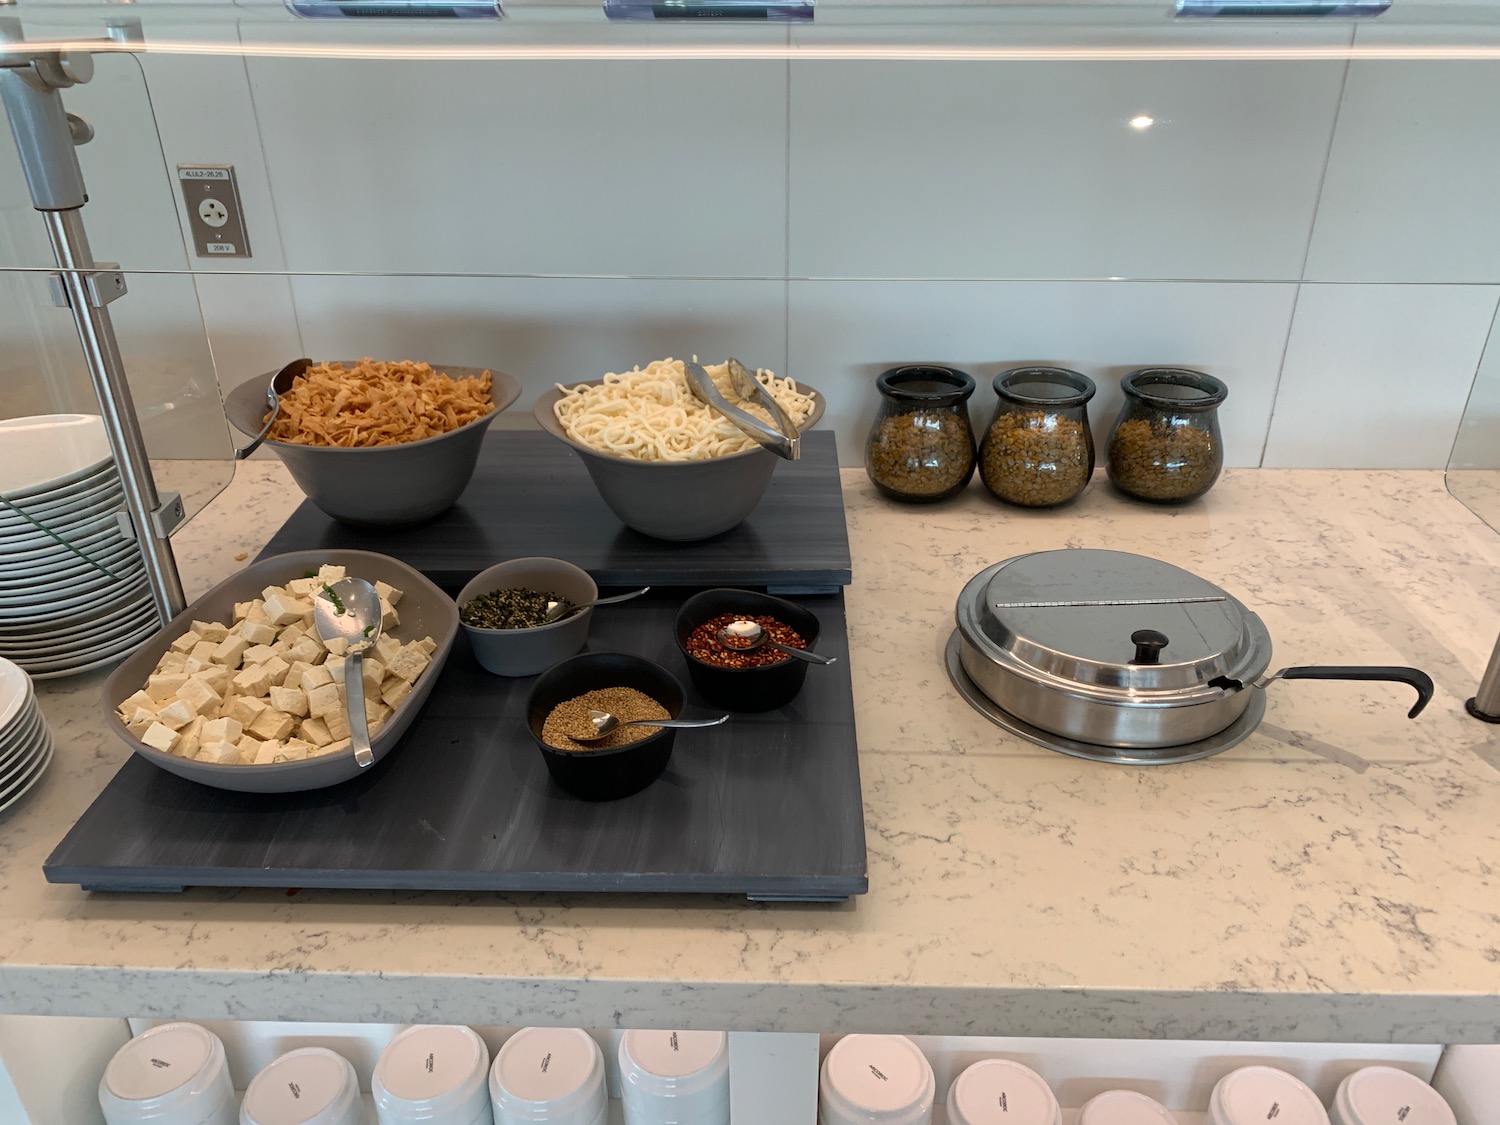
(1031, 169)
(1377, 375)
(543, 331)
(843, 334)
(1410, 191)
(628, 168)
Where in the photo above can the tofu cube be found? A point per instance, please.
(373, 672)
(171, 662)
(293, 677)
(409, 663)
(309, 650)
(387, 647)
(337, 747)
(389, 618)
(303, 587)
(204, 651)
(289, 701)
(292, 752)
(214, 631)
(202, 697)
(258, 654)
(138, 730)
(215, 676)
(292, 632)
(257, 613)
(139, 699)
(248, 746)
(230, 650)
(221, 730)
(325, 701)
(266, 753)
(338, 721)
(316, 678)
(242, 611)
(177, 714)
(283, 608)
(334, 665)
(336, 646)
(314, 731)
(330, 573)
(375, 711)
(257, 633)
(278, 669)
(244, 709)
(388, 593)
(184, 644)
(141, 717)
(164, 688)
(160, 737)
(427, 645)
(272, 724)
(254, 680)
(221, 753)
(188, 738)
(393, 691)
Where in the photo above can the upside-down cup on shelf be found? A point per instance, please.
(527, 652)
(762, 688)
(611, 773)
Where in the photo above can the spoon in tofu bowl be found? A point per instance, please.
(349, 610)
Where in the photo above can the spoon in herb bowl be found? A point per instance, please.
(605, 724)
(350, 610)
(556, 611)
(747, 636)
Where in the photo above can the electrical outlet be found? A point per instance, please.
(213, 210)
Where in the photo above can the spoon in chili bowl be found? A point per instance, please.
(747, 636)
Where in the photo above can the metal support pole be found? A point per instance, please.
(1486, 702)
(102, 352)
(31, 76)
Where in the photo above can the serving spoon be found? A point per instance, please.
(747, 636)
(280, 383)
(350, 610)
(605, 724)
(556, 611)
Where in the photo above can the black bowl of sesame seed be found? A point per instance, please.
(762, 680)
(630, 687)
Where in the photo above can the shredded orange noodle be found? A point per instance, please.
(372, 404)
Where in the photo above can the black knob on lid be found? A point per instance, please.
(1148, 645)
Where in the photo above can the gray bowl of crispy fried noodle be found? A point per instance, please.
(406, 444)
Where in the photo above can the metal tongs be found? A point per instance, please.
(782, 439)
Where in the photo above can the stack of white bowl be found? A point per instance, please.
(73, 587)
(25, 742)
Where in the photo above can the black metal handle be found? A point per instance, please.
(1413, 677)
(1148, 645)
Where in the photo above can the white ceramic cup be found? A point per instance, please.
(553, 1074)
(675, 1077)
(1253, 1095)
(1124, 1107)
(174, 1074)
(1383, 1095)
(1001, 1092)
(433, 1074)
(875, 1080)
(308, 1086)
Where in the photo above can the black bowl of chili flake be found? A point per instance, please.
(737, 680)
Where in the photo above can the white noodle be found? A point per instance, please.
(651, 414)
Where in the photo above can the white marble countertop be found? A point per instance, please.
(1335, 877)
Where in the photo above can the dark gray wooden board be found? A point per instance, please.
(531, 495)
(767, 805)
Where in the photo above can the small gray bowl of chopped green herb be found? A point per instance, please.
(501, 610)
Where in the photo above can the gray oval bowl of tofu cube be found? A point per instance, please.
(239, 692)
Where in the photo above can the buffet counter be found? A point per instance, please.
(1333, 877)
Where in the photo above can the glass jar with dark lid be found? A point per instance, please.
(921, 447)
(1038, 451)
(1165, 446)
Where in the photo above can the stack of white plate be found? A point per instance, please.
(25, 742)
(73, 588)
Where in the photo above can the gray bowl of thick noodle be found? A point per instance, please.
(676, 500)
